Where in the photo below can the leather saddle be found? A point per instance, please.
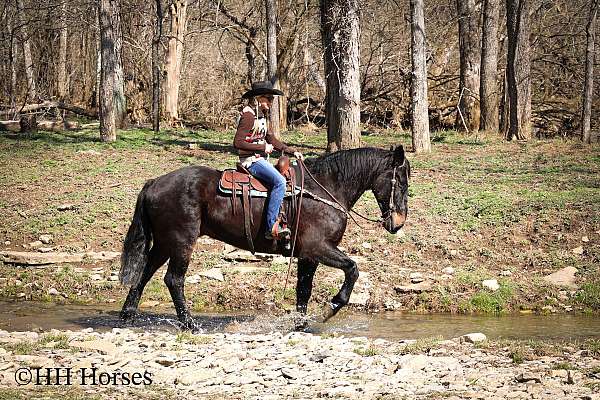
(239, 180)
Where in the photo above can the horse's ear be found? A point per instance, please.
(399, 155)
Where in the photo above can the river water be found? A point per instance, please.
(27, 315)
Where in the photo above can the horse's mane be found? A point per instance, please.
(355, 165)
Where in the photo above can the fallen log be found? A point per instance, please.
(34, 258)
(52, 104)
(54, 126)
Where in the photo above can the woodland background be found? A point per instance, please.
(50, 51)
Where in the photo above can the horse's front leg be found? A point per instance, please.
(306, 273)
(333, 257)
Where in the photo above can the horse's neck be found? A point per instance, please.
(348, 187)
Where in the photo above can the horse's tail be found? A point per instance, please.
(136, 246)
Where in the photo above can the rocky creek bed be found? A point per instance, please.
(294, 365)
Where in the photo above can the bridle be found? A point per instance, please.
(392, 206)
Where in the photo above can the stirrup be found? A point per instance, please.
(278, 233)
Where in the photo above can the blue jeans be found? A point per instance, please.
(275, 182)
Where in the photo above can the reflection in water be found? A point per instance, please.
(22, 316)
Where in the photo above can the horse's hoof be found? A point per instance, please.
(128, 315)
(301, 323)
(190, 325)
(329, 311)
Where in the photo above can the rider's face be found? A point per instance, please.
(264, 102)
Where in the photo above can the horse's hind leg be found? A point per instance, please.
(175, 279)
(156, 259)
(333, 257)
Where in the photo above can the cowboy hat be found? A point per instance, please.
(262, 88)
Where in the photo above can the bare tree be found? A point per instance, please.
(62, 83)
(468, 34)
(518, 70)
(111, 97)
(488, 90)
(156, 65)
(29, 70)
(340, 33)
(271, 11)
(178, 23)
(420, 105)
(588, 88)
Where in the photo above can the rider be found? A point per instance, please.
(254, 140)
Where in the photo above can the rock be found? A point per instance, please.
(585, 239)
(244, 269)
(416, 362)
(491, 284)
(65, 207)
(96, 277)
(473, 337)
(563, 277)
(45, 249)
(213, 273)
(7, 242)
(46, 239)
(20, 295)
(192, 146)
(578, 250)
(194, 279)
(36, 244)
(448, 271)
(150, 303)
(290, 373)
(165, 361)
(453, 252)
(113, 278)
(392, 305)
(53, 292)
(528, 377)
(99, 346)
(506, 273)
(367, 245)
(414, 288)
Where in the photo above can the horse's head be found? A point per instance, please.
(391, 191)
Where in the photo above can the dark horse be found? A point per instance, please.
(173, 210)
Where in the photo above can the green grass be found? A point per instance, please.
(190, 338)
(421, 345)
(369, 351)
(589, 295)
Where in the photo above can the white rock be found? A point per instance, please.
(194, 279)
(7, 243)
(491, 284)
(96, 277)
(473, 337)
(506, 273)
(578, 250)
(453, 252)
(53, 292)
(448, 271)
(36, 244)
(585, 239)
(367, 245)
(213, 273)
(563, 277)
(46, 239)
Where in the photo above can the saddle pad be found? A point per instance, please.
(255, 193)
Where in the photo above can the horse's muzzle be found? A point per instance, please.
(394, 222)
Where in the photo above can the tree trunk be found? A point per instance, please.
(468, 34)
(420, 106)
(29, 70)
(156, 67)
(112, 108)
(13, 64)
(271, 11)
(518, 69)
(251, 57)
(62, 83)
(340, 33)
(588, 88)
(177, 19)
(488, 91)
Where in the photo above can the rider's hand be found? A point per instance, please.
(298, 155)
(268, 148)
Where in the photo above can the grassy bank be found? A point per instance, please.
(487, 208)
